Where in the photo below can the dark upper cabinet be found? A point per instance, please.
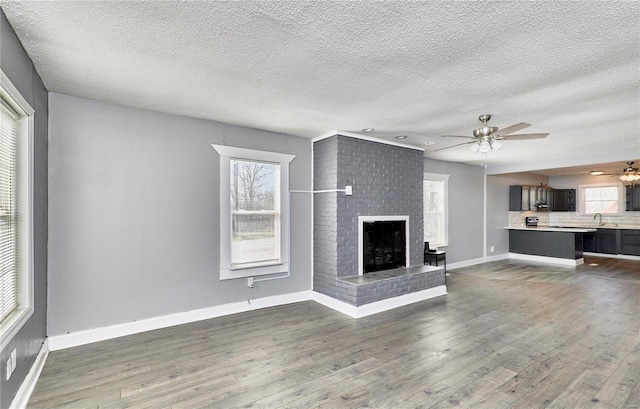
(564, 200)
(518, 198)
(524, 197)
(632, 195)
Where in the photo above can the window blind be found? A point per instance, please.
(8, 268)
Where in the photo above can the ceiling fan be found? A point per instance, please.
(629, 174)
(488, 138)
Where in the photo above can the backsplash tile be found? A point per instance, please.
(516, 219)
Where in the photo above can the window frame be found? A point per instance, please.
(227, 270)
(438, 177)
(581, 197)
(10, 326)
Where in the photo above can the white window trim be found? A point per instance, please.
(445, 179)
(250, 270)
(581, 206)
(16, 320)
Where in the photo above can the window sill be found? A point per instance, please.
(244, 266)
(257, 269)
(12, 324)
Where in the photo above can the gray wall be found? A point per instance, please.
(466, 211)
(18, 67)
(134, 214)
(498, 207)
(572, 181)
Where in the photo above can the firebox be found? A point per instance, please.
(383, 245)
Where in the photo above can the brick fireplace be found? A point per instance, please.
(387, 185)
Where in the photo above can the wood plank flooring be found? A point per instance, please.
(510, 334)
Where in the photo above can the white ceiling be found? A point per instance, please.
(421, 69)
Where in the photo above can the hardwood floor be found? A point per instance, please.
(508, 335)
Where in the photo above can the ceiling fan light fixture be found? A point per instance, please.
(496, 144)
(630, 174)
(474, 147)
(597, 172)
(630, 177)
(484, 146)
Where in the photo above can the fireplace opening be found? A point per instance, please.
(383, 245)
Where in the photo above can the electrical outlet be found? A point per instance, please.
(492, 249)
(250, 282)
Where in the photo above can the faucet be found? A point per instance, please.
(601, 223)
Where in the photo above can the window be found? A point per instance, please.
(606, 199)
(255, 212)
(254, 200)
(16, 276)
(435, 210)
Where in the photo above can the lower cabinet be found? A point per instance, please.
(606, 241)
(612, 241)
(630, 242)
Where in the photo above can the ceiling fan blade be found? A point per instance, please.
(525, 136)
(453, 146)
(511, 129)
(458, 136)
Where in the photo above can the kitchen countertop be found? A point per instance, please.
(554, 228)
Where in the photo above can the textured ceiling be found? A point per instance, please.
(420, 69)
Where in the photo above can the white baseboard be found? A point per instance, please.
(378, 306)
(496, 257)
(476, 261)
(623, 256)
(551, 260)
(29, 383)
(73, 339)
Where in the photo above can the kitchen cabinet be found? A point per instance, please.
(564, 200)
(518, 198)
(606, 241)
(632, 198)
(525, 197)
(630, 242)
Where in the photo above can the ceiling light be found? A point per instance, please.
(629, 177)
(428, 143)
(630, 174)
(484, 146)
(367, 129)
(597, 172)
(401, 137)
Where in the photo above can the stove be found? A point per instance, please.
(531, 221)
